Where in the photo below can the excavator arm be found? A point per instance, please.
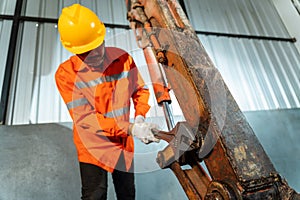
(215, 131)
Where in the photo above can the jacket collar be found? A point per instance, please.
(79, 65)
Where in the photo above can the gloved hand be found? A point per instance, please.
(139, 119)
(143, 131)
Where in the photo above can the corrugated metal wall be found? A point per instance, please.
(5, 29)
(261, 74)
(7, 7)
(297, 5)
(110, 11)
(236, 16)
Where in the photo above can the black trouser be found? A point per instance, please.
(94, 182)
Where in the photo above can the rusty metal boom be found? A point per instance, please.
(215, 131)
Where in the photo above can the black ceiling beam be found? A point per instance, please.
(258, 37)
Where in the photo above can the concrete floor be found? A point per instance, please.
(39, 161)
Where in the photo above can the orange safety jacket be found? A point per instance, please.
(98, 101)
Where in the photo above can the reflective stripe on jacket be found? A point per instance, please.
(99, 103)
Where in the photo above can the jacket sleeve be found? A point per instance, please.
(84, 116)
(140, 95)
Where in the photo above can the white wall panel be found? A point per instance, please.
(112, 12)
(290, 14)
(7, 7)
(261, 75)
(236, 16)
(5, 29)
(35, 98)
(23, 75)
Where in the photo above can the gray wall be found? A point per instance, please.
(279, 133)
(39, 161)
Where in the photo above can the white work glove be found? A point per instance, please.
(143, 131)
(139, 119)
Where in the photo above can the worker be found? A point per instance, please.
(97, 84)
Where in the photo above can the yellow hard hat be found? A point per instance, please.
(80, 29)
